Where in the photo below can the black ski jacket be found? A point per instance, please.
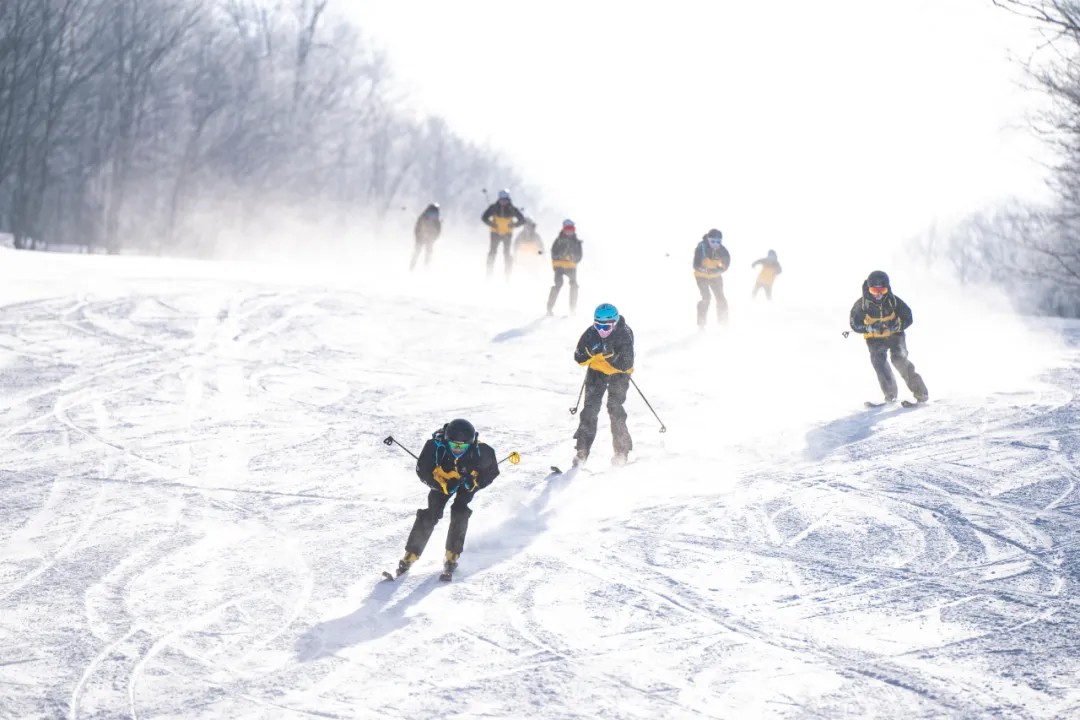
(566, 251)
(879, 318)
(610, 355)
(428, 227)
(440, 470)
(502, 219)
(710, 262)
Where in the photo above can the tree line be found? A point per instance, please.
(172, 125)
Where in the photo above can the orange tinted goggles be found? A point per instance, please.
(878, 290)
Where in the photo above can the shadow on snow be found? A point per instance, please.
(825, 439)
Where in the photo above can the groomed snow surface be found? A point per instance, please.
(196, 505)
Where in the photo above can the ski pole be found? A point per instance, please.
(513, 457)
(663, 429)
(391, 441)
(573, 410)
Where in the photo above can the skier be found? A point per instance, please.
(427, 230)
(770, 268)
(882, 318)
(607, 349)
(711, 260)
(565, 255)
(528, 241)
(453, 464)
(502, 217)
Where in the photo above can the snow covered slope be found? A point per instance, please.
(195, 504)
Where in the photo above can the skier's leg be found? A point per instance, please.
(459, 522)
(768, 291)
(415, 255)
(721, 301)
(553, 294)
(571, 274)
(620, 434)
(425, 522)
(757, 286)
(914, 381)
(703, 304)
(880, 360)
(595, 385)
(508, 259)
(427, 253)
(491, 253)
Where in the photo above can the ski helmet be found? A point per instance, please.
(504, 194)
(568, 226)
(878, 278)
(459, 435)
(772, 254)
(714, 234)
(606, 313)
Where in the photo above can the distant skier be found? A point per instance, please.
(770, 268)
(427, 231)
(711, 260)
(565, 255)
(607, 349)
(882, 318)
(528, 241)
(503, 218)
(454, 464)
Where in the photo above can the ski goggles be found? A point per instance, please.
(603, 326)
(458, 447)
(715, 242)
(878, 291)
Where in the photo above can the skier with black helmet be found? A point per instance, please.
(606, 348)
(503, 218)
(882, 318)
(453, 464)
(565, 255)
(711, 260)
(427, 230)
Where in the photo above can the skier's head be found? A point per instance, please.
(432, 209)
(772, 254)
(459, 435)
(877, 284)
(605, 318)
(530, 223)
(504, 197)
(715, 237)
(568, 227)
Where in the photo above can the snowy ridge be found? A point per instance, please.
(196, 507)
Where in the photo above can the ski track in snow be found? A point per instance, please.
(197, 507)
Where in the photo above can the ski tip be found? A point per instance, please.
(388, 576)
(555, 469)
(446, 577)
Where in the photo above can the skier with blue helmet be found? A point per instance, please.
(606, 348)
(711, 261)
(453, 464)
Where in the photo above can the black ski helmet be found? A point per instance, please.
(714, 234)
(878, 278)
(460, 430)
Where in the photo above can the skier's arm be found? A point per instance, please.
(725, 258)
(699, 257)
(903, 312)
(587, 346)
(488, 467)
(858, 314)
(437, 225)
(519, 218)
(486, 216)
(416, 230)
(779, 269)
(577, 251)
(425, 465)
(757, 262)
(622, 357)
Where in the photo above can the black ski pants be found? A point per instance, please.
(894, 346)
(716, 286)
(571, 276)
(426, 518)
(616, 386)
(493, 251)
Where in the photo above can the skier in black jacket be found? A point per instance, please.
(711, 261)
(882, 318)
(503, 218)
(565, 255)
(607, 349)
(427, 230)
(454, 464)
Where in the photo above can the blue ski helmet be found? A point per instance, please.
(606, 313)
(504, 194)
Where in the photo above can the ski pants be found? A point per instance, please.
(571, 276)
(716, 286)
(767, 287)
(421, 246)
(896, 346)
(616, 386)
(507, 257)
(426, 518)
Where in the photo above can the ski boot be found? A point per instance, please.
(580, 456)
(619, 459)
(405, 563)
(449, 566)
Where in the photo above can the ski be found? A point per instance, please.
(870, 404)
(910, 404)
(388, 576)
(446, 575)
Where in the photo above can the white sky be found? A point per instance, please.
(786, 124)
